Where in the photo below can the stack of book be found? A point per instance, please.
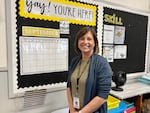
(130, 108)
(117, 106)
(144, 79)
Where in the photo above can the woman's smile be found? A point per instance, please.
(86, 43)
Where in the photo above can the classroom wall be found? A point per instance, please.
(3, 55)
(54, 100)
(142, 5)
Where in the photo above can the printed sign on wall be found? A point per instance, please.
(56, 10)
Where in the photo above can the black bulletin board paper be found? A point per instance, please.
(41, 79)
(46, 78)
(135, 39)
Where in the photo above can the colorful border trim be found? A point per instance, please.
(56, 10)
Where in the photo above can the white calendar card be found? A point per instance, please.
(43, 55)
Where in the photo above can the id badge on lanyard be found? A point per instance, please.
(76, 102)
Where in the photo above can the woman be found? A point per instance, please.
(90, 75)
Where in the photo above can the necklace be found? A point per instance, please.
(80, 74)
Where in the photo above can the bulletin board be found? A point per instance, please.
(42, 26)
(43, 44)
(127, 49)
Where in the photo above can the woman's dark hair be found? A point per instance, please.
(81, 33)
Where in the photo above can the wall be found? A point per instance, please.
(142, 5)
(3, 55)
(54, 100)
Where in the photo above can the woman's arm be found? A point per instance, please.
(70, 102)
(103, 85)
(93, 105)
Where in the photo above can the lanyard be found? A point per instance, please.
(79, 74)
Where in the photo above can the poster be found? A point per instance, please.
(108, 35)
(108, 52)
(119, 36)
(120, 52)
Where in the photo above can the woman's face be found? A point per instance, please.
(86, 43)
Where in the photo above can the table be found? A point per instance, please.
(134, 89)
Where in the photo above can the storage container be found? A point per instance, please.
(112, 102)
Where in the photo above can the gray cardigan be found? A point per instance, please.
(98, 82)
